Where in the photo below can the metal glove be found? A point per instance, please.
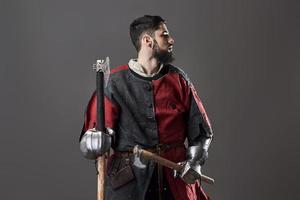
(95, 143)
(196, 156)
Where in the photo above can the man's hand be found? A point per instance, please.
(95, 143)
(196, 156)
(191, 172)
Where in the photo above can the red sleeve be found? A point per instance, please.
(90, 118)
(189, 92)
(200, 107)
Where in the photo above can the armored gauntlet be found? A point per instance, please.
(196, 156)
(95, 143)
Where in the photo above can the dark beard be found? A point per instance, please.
(163, 57)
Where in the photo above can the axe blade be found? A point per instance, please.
(137, 158)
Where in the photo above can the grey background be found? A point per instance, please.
(243, 57)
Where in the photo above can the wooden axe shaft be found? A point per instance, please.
(101, 162)
(167, 163)
(101, 177)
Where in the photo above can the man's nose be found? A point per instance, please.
(171, 40)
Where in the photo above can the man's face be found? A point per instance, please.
(163, 45)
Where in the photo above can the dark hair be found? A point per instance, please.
(147, 24)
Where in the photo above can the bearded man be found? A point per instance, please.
(153, 104)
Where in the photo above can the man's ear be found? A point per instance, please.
(147, 40)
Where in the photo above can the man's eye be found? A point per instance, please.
(165, 34)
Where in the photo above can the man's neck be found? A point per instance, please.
(149, 64)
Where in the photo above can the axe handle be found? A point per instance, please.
(100, 127)
(100, 178)
(167, 163)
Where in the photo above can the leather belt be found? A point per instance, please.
(158, 149)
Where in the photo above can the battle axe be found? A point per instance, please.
(102, 73)
(137, 151)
